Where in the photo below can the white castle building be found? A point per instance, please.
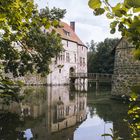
(73, 58)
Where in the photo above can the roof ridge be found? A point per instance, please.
(69, 34)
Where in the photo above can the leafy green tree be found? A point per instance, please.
(91, 46)
(28, 39)
(124, 16)
(23, 28)
(102, 60)
(91, 53)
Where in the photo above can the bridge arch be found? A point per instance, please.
(71, 70)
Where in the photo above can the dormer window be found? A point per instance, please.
(66, 32)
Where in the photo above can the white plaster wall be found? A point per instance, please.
(59, 78)
(82, 52)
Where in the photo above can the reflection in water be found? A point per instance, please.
(60, 113)
(93, 128)
(66, 108)
(109, 111)
(28, 134)
(47, 110)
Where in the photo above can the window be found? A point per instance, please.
(67, 110)
(67, 33)
(62, 56)
(60, 109)
(55, 60)
(84, 62)
(75, 57)
(59, 70)
(67, 43)
(67, 57)
(80, 61)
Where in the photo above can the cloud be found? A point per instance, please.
(88, 26)
(89, 32)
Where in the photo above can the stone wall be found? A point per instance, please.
(29, 79)
(33, 79)
(126, 69)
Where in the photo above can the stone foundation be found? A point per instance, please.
(32, 79)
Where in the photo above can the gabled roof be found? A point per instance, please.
(71, 36)
(114, 48)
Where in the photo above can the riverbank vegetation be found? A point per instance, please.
(28, 40)
(101, 56)
(125, 17)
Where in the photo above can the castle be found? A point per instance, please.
(73, 58)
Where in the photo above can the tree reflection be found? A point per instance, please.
(9, 122)
(133, 118)
(51, 110)
(112, 111)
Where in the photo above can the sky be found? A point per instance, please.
(88, 27)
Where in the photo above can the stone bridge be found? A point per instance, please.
(95, 77)
(92, 77)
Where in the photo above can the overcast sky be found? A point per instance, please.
(88, 26)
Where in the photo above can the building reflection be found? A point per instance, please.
(66, 108)
(49, 113)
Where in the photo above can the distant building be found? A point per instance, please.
(73, 58)
(126, 69)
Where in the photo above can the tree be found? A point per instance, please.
(125, 17)
(91, 53)
(28, 40)
(91, 45)
(22, 26)
(102, 60)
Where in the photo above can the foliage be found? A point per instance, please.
(133, 119)
(91, 46)
(133, 116)
(101, 60)
(136, 54)
(27, 42)
(9, 90)
(28, 39)
(9, 122)
(124, 16)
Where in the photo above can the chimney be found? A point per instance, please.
(72, 25)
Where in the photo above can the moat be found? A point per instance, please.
(63, 113)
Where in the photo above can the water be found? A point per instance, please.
(63, 113)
